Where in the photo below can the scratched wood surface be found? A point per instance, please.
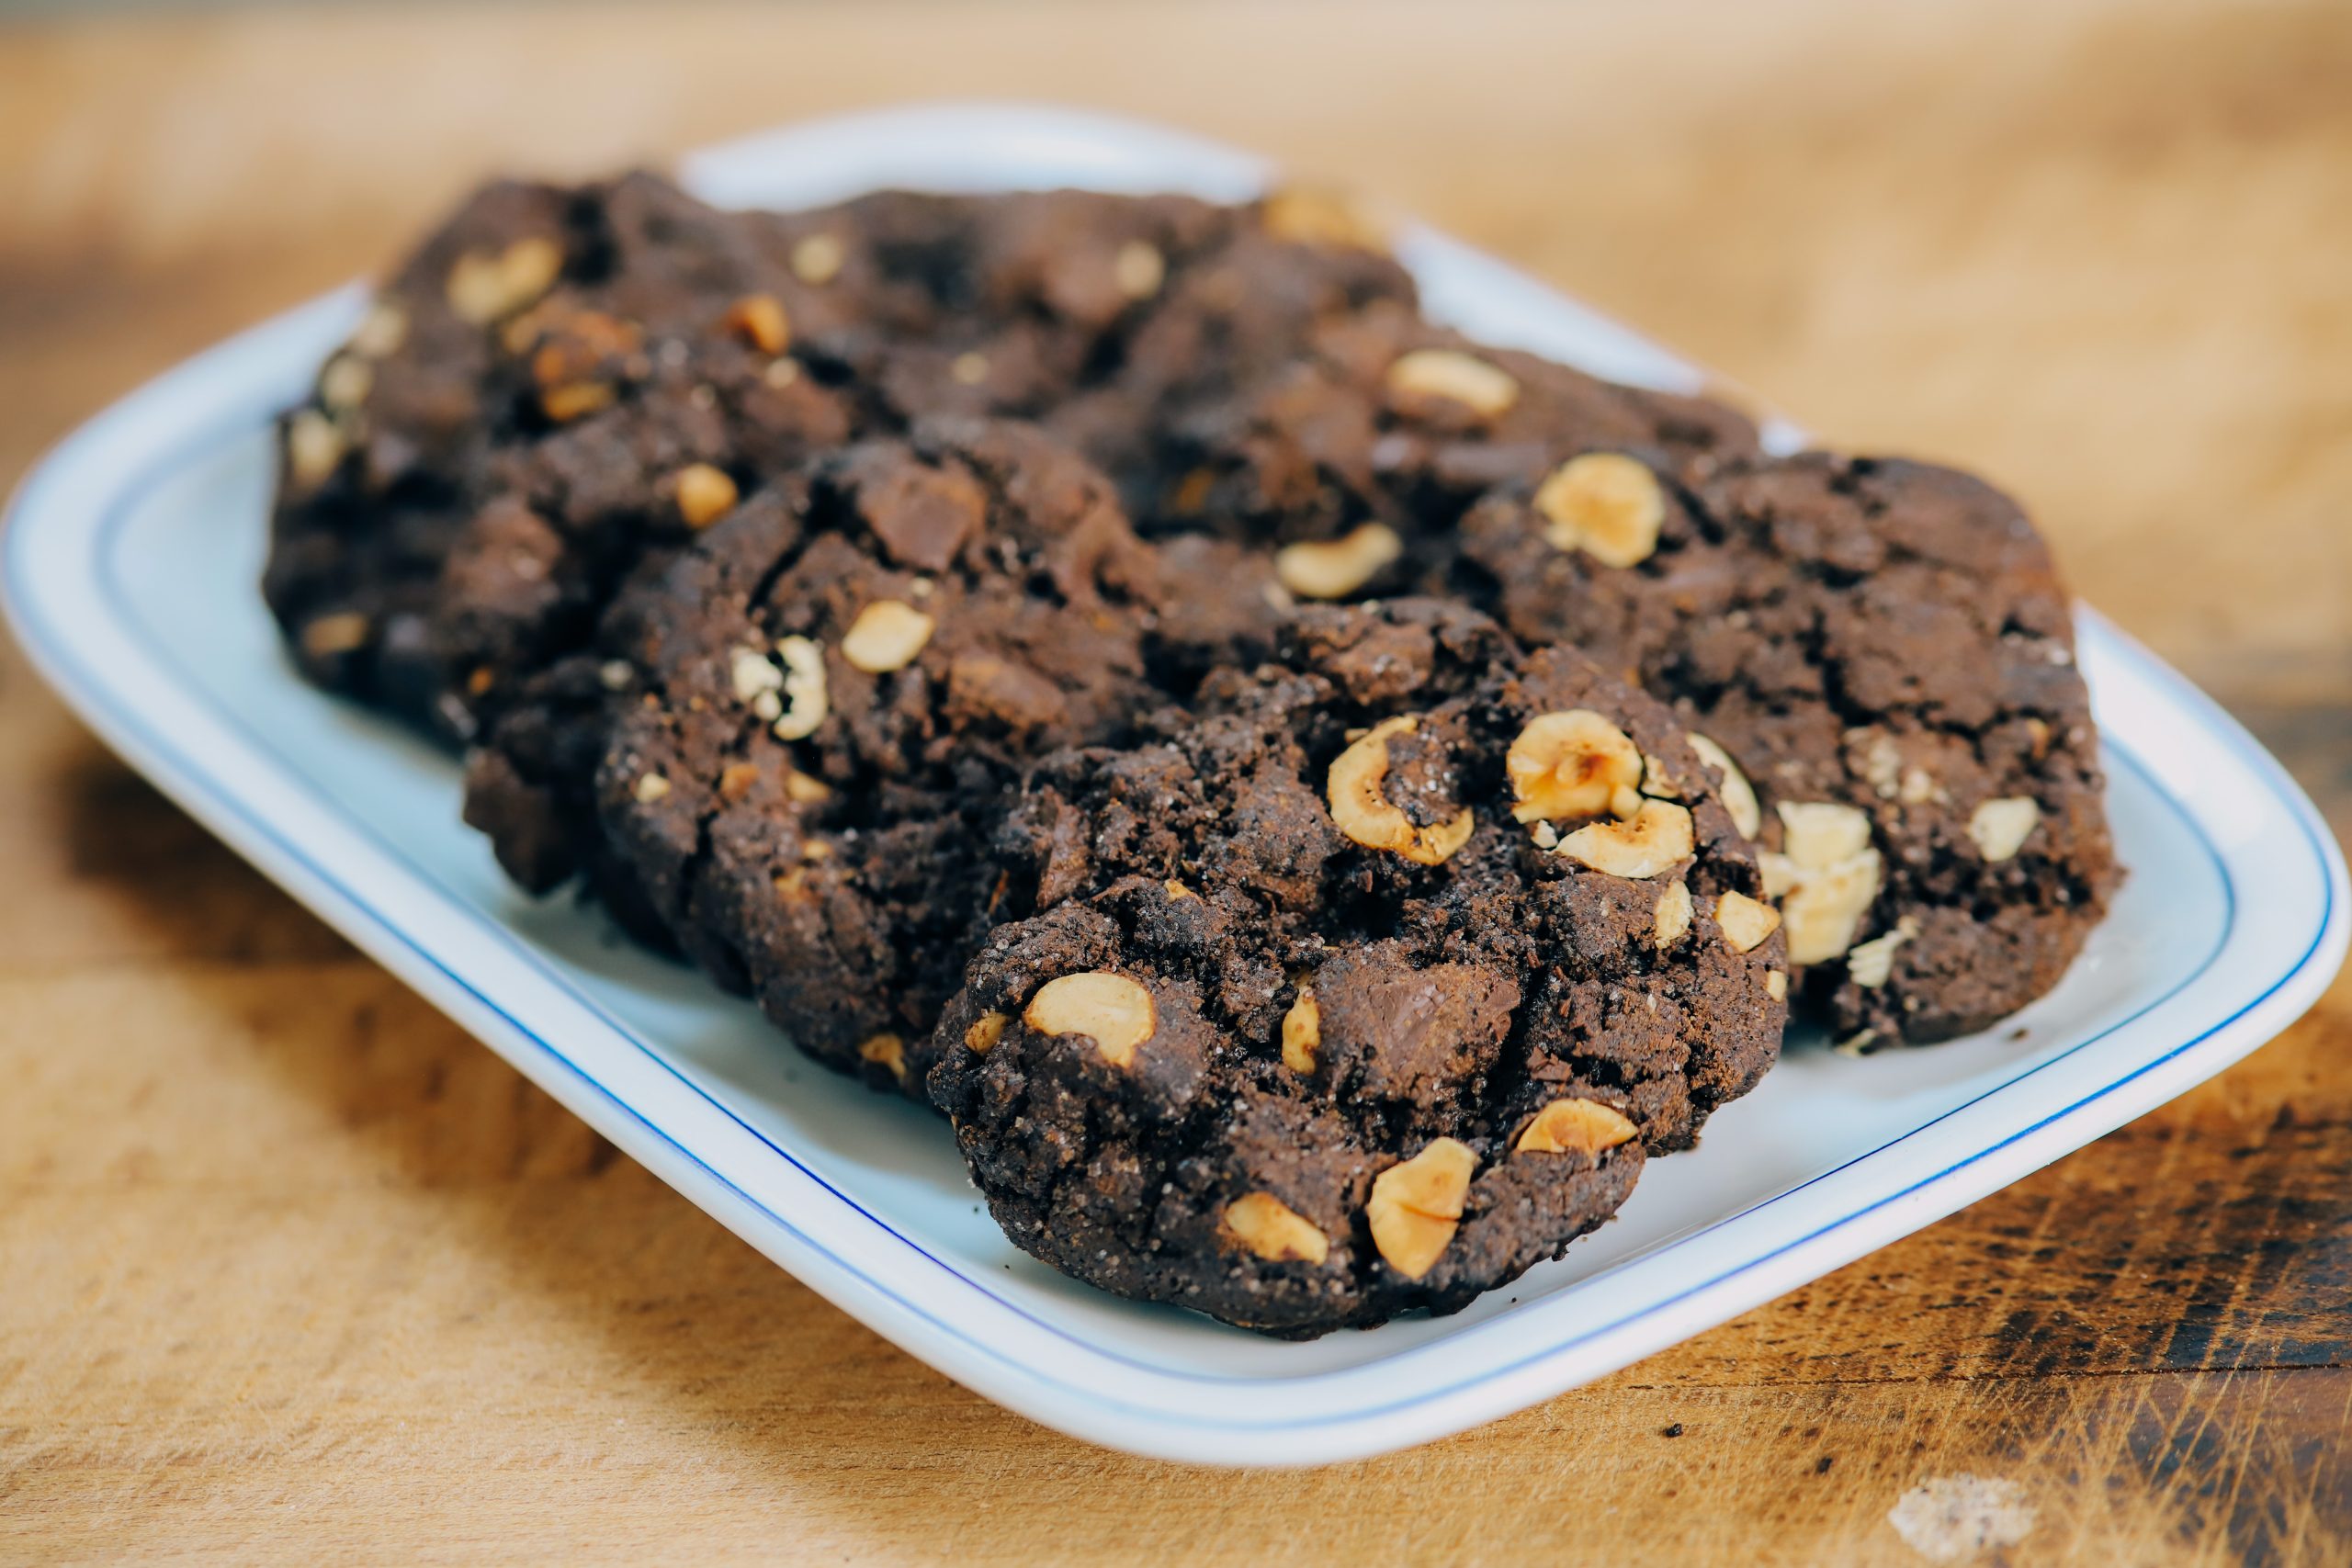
(289, 1266)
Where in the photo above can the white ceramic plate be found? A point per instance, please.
(131, 564)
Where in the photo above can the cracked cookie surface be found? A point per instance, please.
(802, 725)
(1319, 1006)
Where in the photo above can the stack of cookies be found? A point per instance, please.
(1314, 801)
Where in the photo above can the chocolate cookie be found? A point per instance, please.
(1882, 650)
(556, 384)
(1364, 985)
(813, 713)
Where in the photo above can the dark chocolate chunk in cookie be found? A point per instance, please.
(1365, 984)
(1883, 650)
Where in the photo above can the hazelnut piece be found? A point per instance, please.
(757, 684)
(576, 400)
(1333, 569)
(887, 1051)
(1585, 1125)
(1657, 781)
(1274, 1229)
(1823, 909)
(1449, 375)
(887, 636)
(1415, 1206)
(1302, 1032)
(1368, 818)
(1138, 269)
(736, 780)
(759, 320)
(574, 347)
(482, 286)
(1604, 503)
(345, 382)
(340, 632)
(1570, 765)
(1827, 877)
(1738, 794)
(1113, 1009)
(818, 259)
(704, 494)
(1659, 837)
(380, 331)
(986, 1031)
(2001, 826)
(804, 689)
(314, 447)
(1882, 763)
(1306, 216)
(1822, 833)
(1744, 922)
(1673, 914)
(1871, 965)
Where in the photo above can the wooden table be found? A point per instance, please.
(290, 1267)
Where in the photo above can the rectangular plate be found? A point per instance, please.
(131, 565)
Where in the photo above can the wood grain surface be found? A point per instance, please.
(291, 1267)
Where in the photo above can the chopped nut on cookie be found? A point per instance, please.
(1274, 1231)
(1745, 923)
(704, 494)
(1302, 1031)
(1111, 1009)
(2001, 826)
(1738, 794)
(1449, 376)
(1306, 215)
(804, 688)
(1606, 505)
(1416, 1205)
(887, 636)
(1367, 815)
(1658, 838)
(1334, 568)
(1573, 764)
(482, 287)
(1585, 1125)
